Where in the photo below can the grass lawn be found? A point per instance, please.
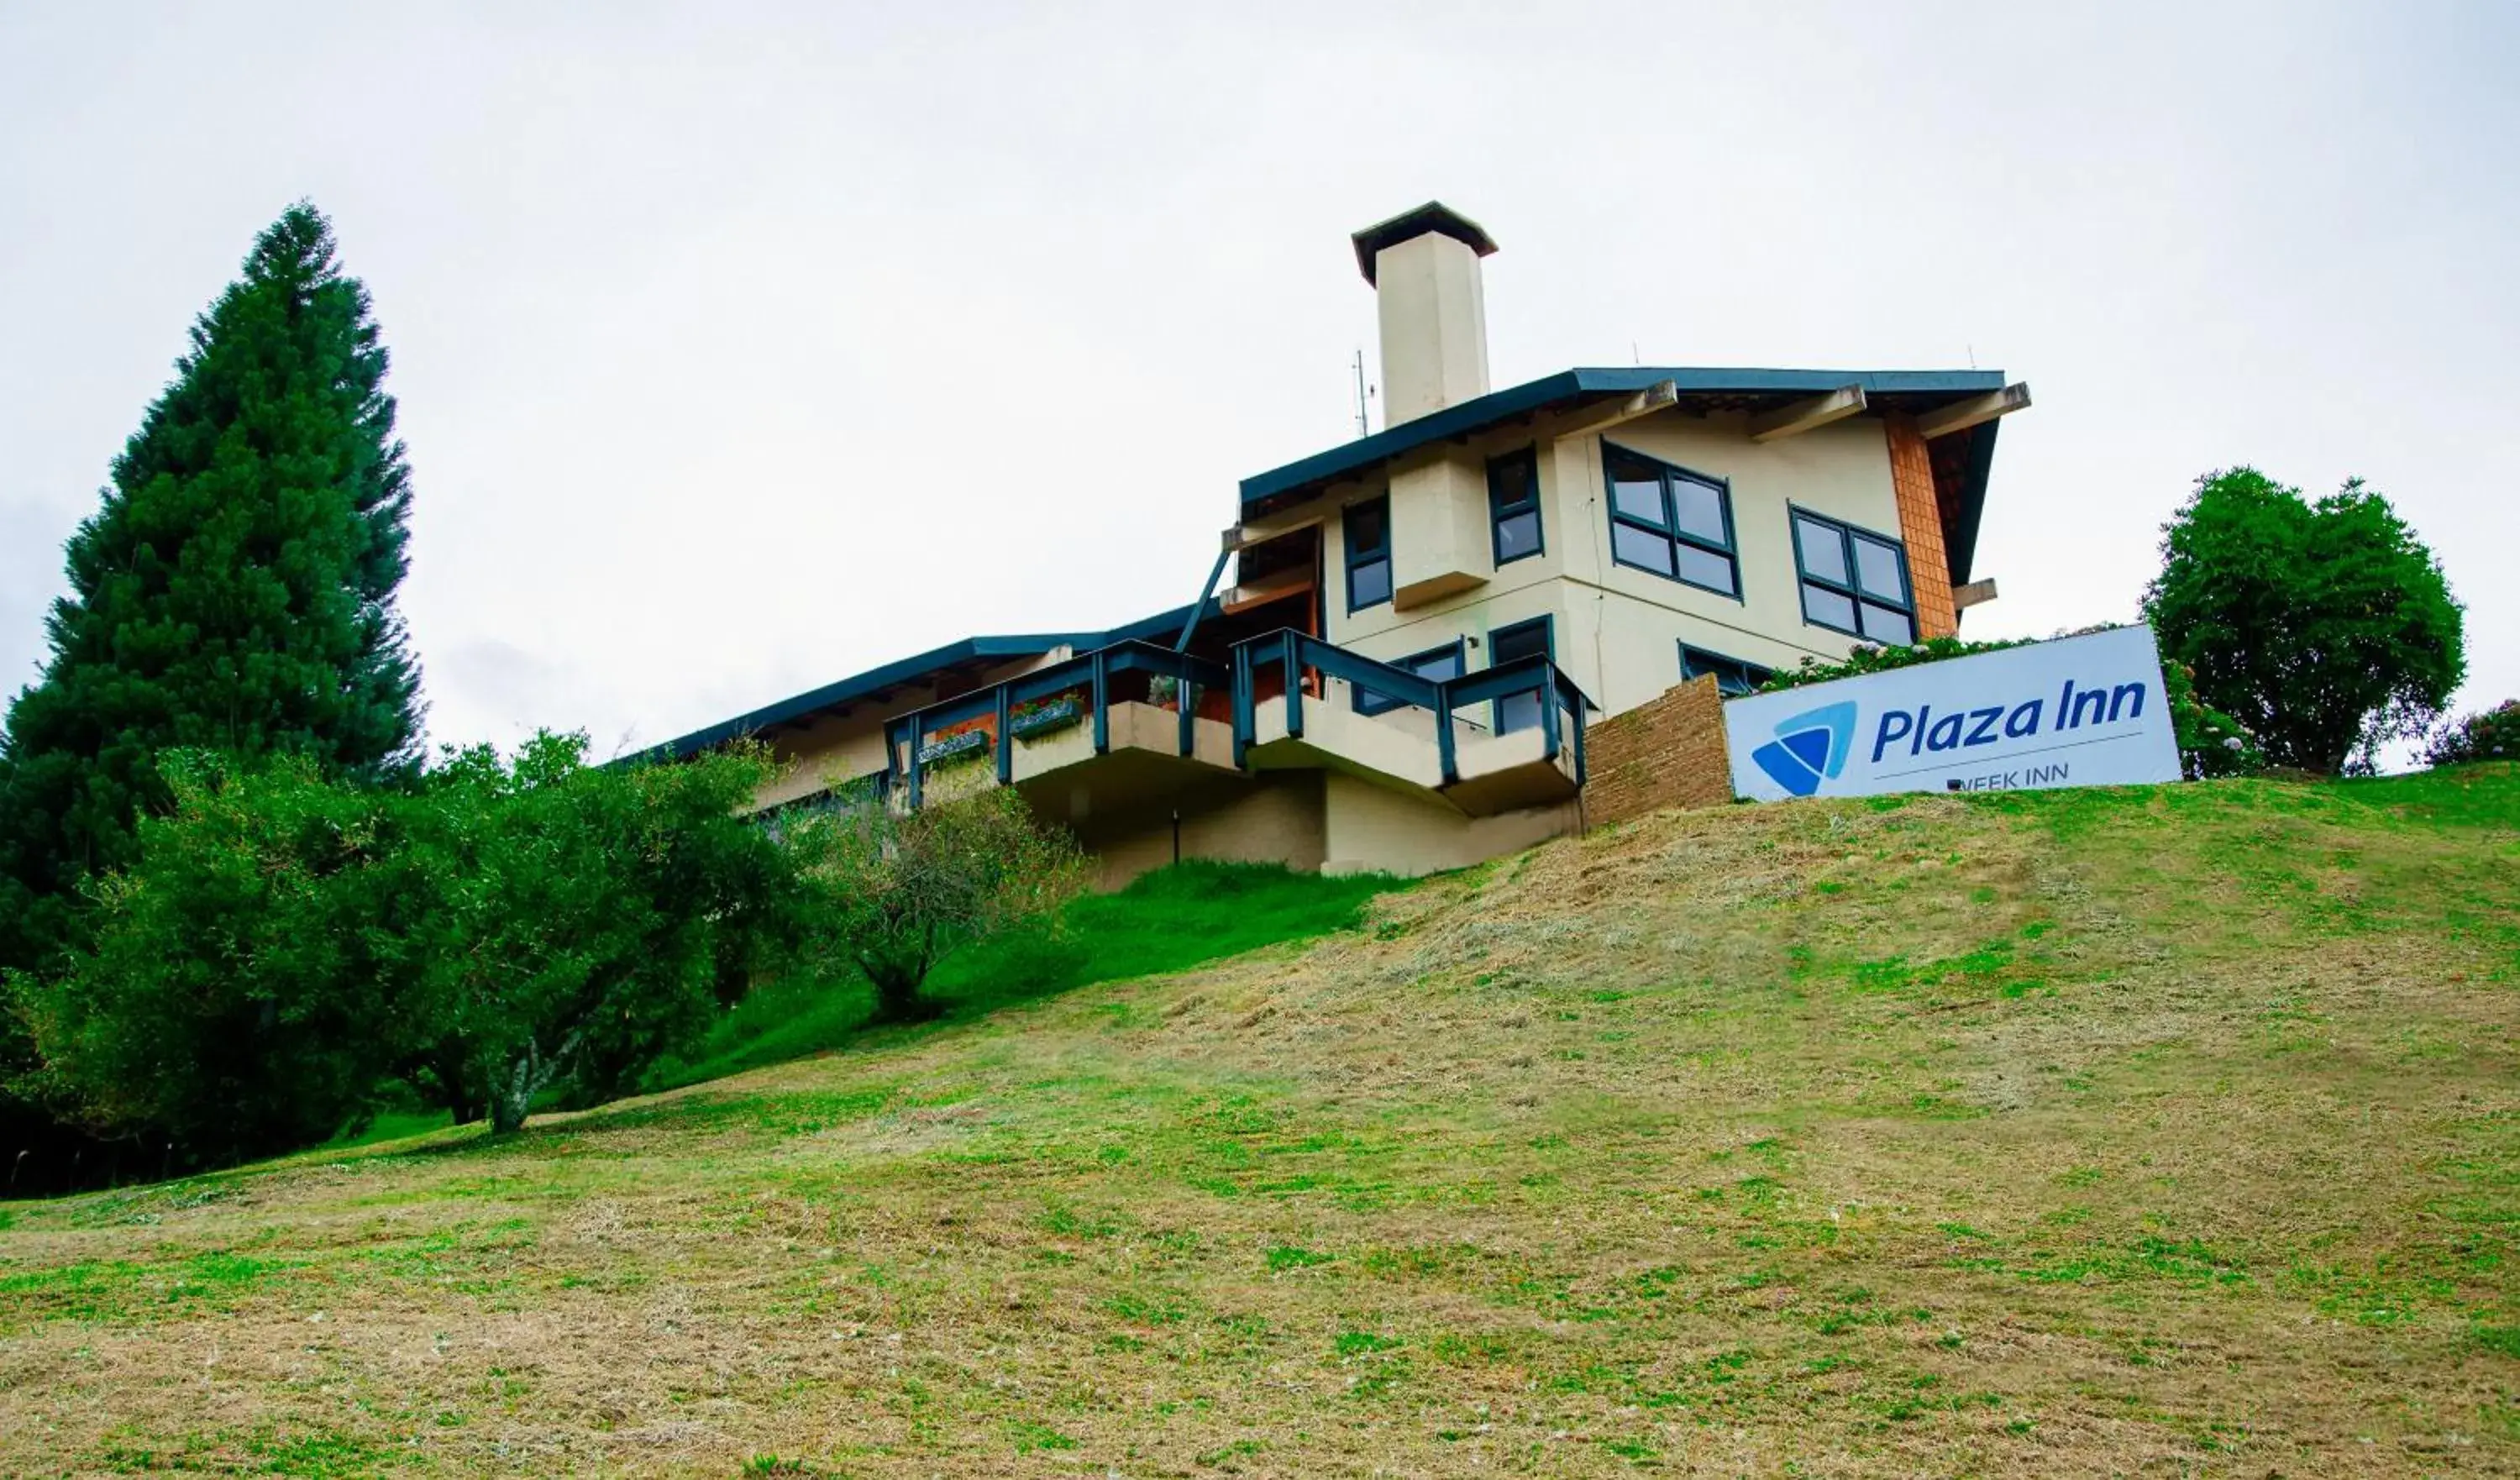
(1164, 921)
(2167, 1131)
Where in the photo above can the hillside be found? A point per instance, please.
(2169, 1131)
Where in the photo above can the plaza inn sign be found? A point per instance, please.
(2076, 711)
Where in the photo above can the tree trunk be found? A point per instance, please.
(456, 1086)
(511, 1097)
(896, 994)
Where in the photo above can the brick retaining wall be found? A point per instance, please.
(1668, 752)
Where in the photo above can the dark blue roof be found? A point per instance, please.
(1163, 626)
(1910, 389)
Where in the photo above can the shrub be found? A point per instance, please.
(2489, 735)
(894, 894)
(250, 980)
(286, 945)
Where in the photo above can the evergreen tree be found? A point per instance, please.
(234, 591)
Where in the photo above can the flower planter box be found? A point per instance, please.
(1047, 719)
(954, 747)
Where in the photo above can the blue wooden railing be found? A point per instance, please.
(1090, 671)
(1294, 653)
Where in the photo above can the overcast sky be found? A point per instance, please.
(741, 348)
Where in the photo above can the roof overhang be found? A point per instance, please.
(968, 656)
(1913, 392)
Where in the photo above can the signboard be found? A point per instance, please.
(2078, 711)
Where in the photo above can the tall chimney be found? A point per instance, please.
(1424, 268)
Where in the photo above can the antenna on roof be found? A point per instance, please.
(1359, 364)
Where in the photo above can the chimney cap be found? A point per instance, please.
(1434, 216)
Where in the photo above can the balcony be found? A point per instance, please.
(1136, 727)
(1436, 738)
(1149, 718)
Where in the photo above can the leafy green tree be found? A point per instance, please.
(580, 919)
(251, 979)
(285, 945)
(234, 592)
(894, 894)
(2324, 628)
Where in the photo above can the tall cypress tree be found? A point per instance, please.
(234, 592)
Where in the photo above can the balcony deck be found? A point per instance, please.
(1139, 728)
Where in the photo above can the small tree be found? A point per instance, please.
(895, 895)
(2489, 735)
(580, 917)
(2324, 628)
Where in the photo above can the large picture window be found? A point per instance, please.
(1369, 552)
(1513, 504)
(1854, 581)
(1671, 521)
(1438, 663)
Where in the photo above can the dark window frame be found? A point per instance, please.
(1730, 551)
(1499, 513)
(1853, 587)
(1547, 622)
(1356, 557)
(1696, 661)
(1369, 702)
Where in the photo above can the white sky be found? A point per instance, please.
(737, 352)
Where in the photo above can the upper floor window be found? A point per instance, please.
(1369, 552)
(1513, 504)
(1671, 521)
(1519, 711)
(1438, 663)
(1732, 677)
(1854, 581)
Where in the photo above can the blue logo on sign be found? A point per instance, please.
(1809, 748)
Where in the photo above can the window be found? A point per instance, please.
(1732, 677)
(1513, 504)
(1854, 581)
(1519, 711)
(1437, 663)
(1368, 554)
(1672, 522)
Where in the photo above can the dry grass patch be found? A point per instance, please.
(2098, 1134)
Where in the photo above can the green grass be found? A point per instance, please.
(1164, 921)
(2164, 1130)
(393, 1125)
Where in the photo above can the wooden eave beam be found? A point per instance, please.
(1240, 537)
(1645, 403)
(1803, 416)
(1286, 583)
(1963, 414)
